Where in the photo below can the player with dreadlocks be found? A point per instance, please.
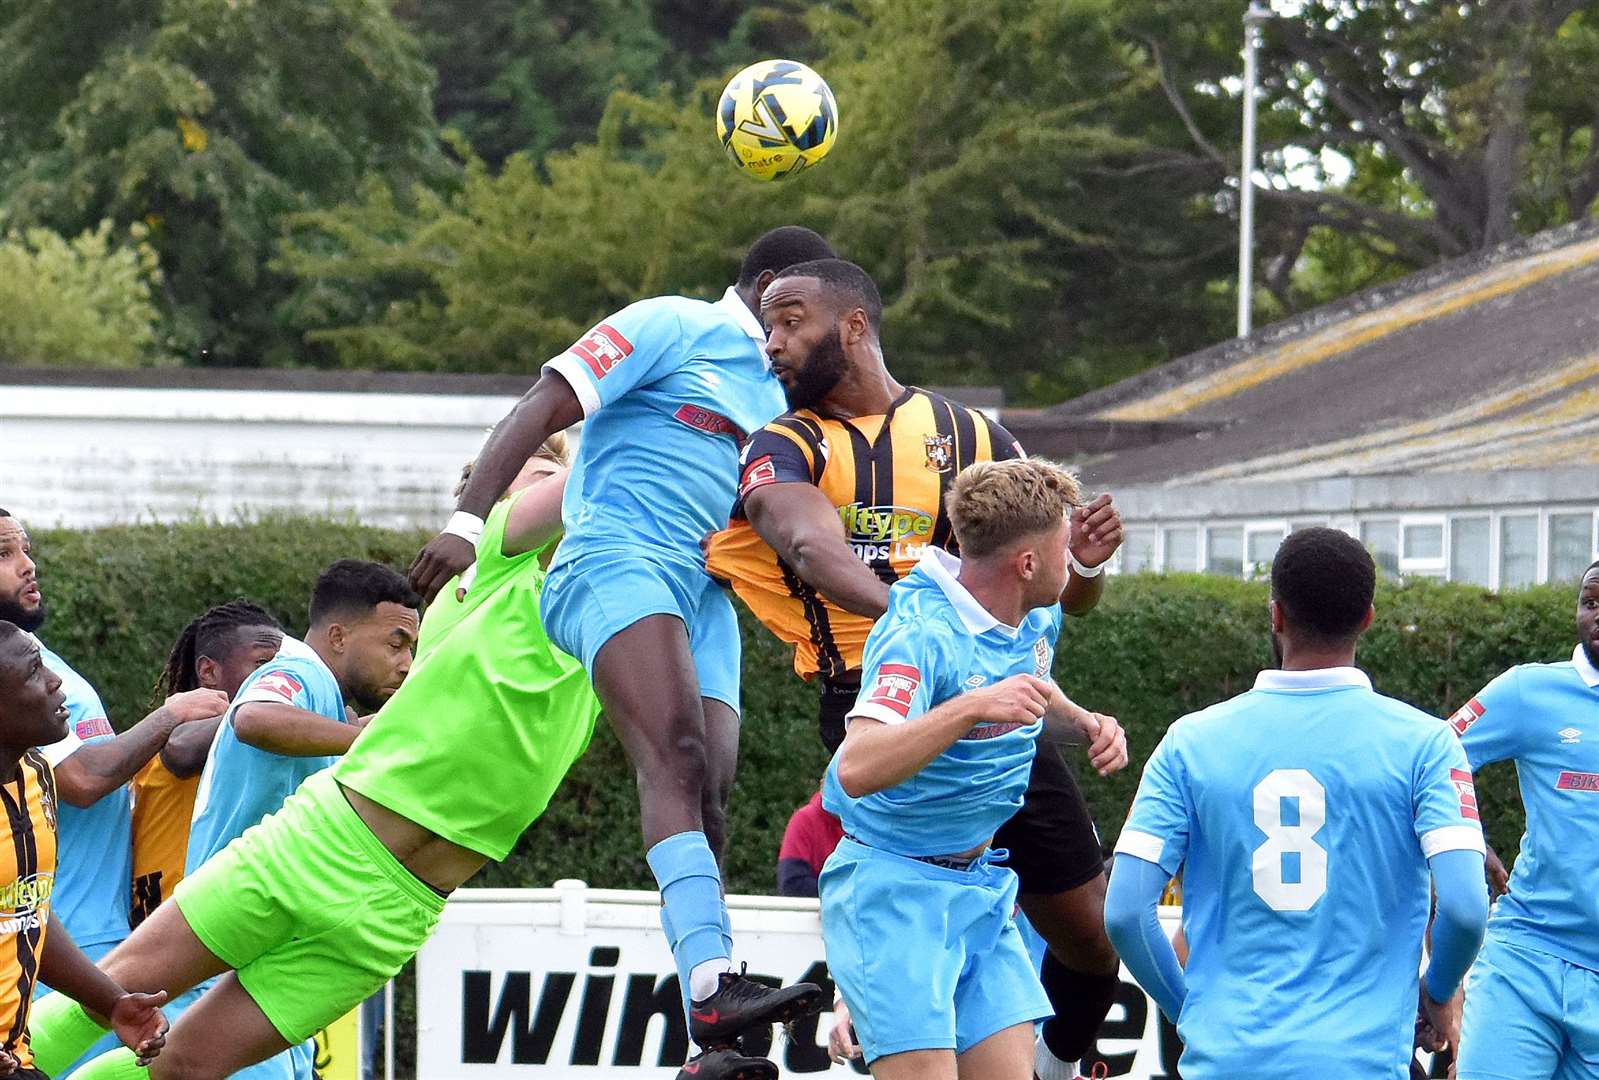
(216, 651)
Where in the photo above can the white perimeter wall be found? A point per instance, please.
(83, 456)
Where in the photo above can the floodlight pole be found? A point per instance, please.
(1253, 18)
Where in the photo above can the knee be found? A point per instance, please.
(1083, 945)
(678, 762)
(177, 1063)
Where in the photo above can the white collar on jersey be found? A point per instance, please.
(1584, 666)
(741, 313)
(944, 569)
(1327, 678)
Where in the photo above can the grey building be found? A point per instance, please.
(1450, 420)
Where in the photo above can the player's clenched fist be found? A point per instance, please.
(196, 705)
(444, 556)
(1107, 744)
(1020, 699)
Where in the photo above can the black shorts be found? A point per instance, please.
(1052, 841)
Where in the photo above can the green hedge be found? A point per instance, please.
(1156, 648)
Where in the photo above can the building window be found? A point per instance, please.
(1570, 545)
(1382, 540)
(1260, 548)
(1469, 557)
(1422, 547)
(1518, 550)
(1224, 551)
(1182, 548)
(1138, 550)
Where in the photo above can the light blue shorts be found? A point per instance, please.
(927, 958)
(1529, 1016)
(594, 595)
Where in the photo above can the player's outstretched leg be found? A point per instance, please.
(644, 676)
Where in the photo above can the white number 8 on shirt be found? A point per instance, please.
(1266, 866)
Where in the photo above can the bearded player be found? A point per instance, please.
(839, 498)
(669, 388)
(308, 913)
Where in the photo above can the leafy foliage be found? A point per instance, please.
(207, 120)
(79, 301)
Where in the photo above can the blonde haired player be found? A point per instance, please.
(935, 758)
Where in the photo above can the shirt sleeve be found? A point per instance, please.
(899, 672)
(1445, 799)
(1489, 725)
(1161, 819)
(1002, 444)
(635, 346)
(772, 456)
(57, 752)
(276, 684)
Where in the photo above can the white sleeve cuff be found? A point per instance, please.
(570, 368)
(1452, 838)
(1140, 845)
(57, 752)
(880, 713)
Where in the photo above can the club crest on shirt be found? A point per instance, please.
(1042, 655)
(940, 452)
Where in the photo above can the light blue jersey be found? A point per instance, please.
(94, 875)
(242, 784)
(1545, 717)
(1302, 814)
(934, 643)
(670, 388)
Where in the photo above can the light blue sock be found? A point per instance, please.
(727, 930)
(693, 912)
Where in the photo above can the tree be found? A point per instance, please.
(208, 121)
(84, 301)
(1452, 126)
(1001, 173)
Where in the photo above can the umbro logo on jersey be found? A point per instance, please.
(1570, 735)
(975, 682)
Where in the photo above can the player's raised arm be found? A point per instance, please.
(87, 772)
(551, 405)
(535, 520)
(1096, 533)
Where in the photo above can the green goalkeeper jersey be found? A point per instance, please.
(491, 716)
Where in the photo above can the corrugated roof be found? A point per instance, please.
(1485, 363)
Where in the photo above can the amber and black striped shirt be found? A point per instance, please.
(887, 475)
(27, 879)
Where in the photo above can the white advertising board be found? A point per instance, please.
(579, 983)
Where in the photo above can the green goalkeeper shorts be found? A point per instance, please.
(310, 909)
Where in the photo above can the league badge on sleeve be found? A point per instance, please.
(1467, 792)
(896, 688)
(602, 349)
(1042, 655)
(1466, 715)
(277, 684)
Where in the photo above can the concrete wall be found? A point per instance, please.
(92, 455)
